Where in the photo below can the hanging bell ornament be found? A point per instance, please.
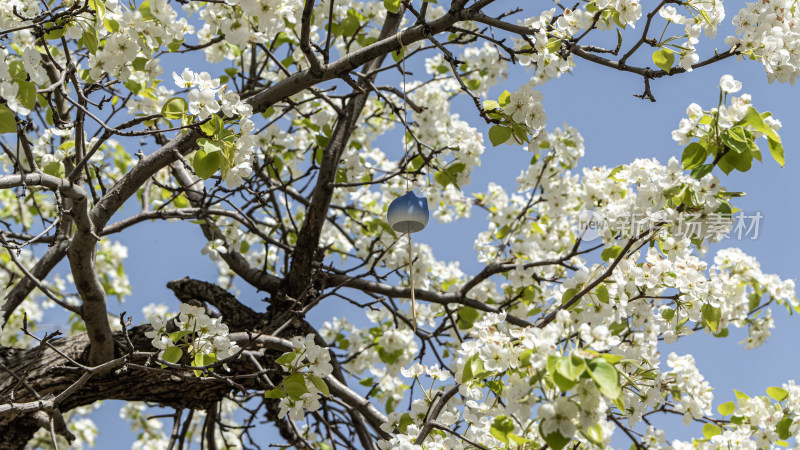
(408, 213)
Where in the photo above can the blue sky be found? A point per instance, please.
(617, 128)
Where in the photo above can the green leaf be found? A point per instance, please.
(664, 59)
(210, 146)
(466, 317)
(554, 440)
(175, 45)
(499, 134)
(612, 358)
(740, 395)
(320, 384)
(504, 98)
(275, 393)
(727, 408)
(144, 9)
(710, 430)
(668, 314)
(776, 149)
(182, 202)
(55, 33)
(567, 295)
(206, 164)
(754, 300)
(389, 357)
(571, 367)
(441, 178)
(501, 427)
(27, 94)
(553, 45)
(783, 427)
(174, 108)
(473, 368)
(490, 105)
(111, 25)
(139, 63)
(55, 168)
(350, 24)
(611, 253)
(172, 355)
(555, 366)
(133, 86)
(405, 421)
(286, 358)
(614, 172)
(519, 440)
(98, 6)
(595, 434)
(602, 293)
(201, 360)
(605, 377)
(295, 385)
(711, 316)
(456, 168)
(724, 165)
(90, 40)
(503, 232)
(496, 386)
(701, 171)
(693, 155)
(322, 140)
(177, 335)
(393, 6)
(756, 121)
(735, 144)
(213, 127)
(615, 16)
(779, 394)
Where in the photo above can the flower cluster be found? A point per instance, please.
(13, 84)
(203, 93)
(243, 22)
(525, 107)
(629, 11)
(703, 16)
(484, 67)
(207, 99)
(301, 391)
(545, 56)
(696, 396)
(197, 334)
(697, 124)
(132, 37)
(768, 31)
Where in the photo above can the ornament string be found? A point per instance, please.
(408, 184)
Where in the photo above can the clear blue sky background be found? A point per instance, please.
(617, 128)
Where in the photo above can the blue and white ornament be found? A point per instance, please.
(408, 213)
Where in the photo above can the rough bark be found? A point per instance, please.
(48, 372)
